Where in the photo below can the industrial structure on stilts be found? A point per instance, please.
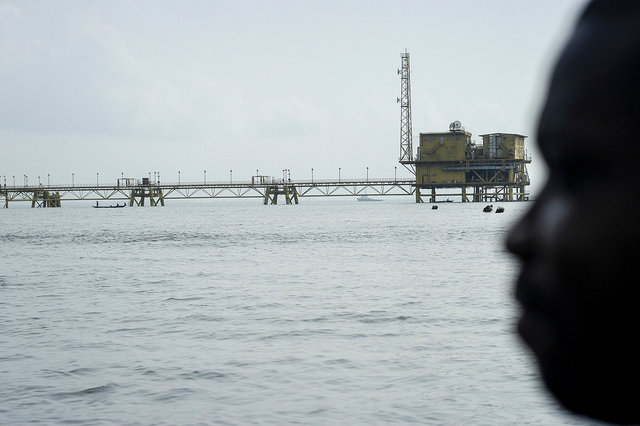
(449, 161)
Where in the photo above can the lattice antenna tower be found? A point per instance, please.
(406, 134)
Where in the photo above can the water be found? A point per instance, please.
(328, 312)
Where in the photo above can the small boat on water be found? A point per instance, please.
(117, 206)
(500, 210)
(488, 209)
(367, 198)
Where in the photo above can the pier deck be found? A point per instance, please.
(268, 190)
(39, 195)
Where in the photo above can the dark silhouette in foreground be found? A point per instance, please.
(578, 244)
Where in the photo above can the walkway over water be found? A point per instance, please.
(157, 193)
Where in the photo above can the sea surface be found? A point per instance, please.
(330, 312)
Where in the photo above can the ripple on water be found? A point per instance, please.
(90, 391)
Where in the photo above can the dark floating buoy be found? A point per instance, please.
(488, 208)
(434, 207)
(500, 210)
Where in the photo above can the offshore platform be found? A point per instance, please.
(494, 170)
(446, 164)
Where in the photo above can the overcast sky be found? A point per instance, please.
(132, 87)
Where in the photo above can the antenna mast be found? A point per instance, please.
(406, 134)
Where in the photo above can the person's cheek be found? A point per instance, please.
(553, 225)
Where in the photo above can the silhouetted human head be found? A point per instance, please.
(579, 243)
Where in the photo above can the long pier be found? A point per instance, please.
(157, 193)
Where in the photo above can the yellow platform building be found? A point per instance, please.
(495, 170)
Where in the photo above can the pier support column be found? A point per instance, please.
(272, 191)
(291, 194)
(271, 195)
(137, 197)
(139, 194)
(43, 198)
(153, 193)
(418, 195)
(477, 194)
(521, 193)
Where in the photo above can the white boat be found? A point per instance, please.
(367, 198)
